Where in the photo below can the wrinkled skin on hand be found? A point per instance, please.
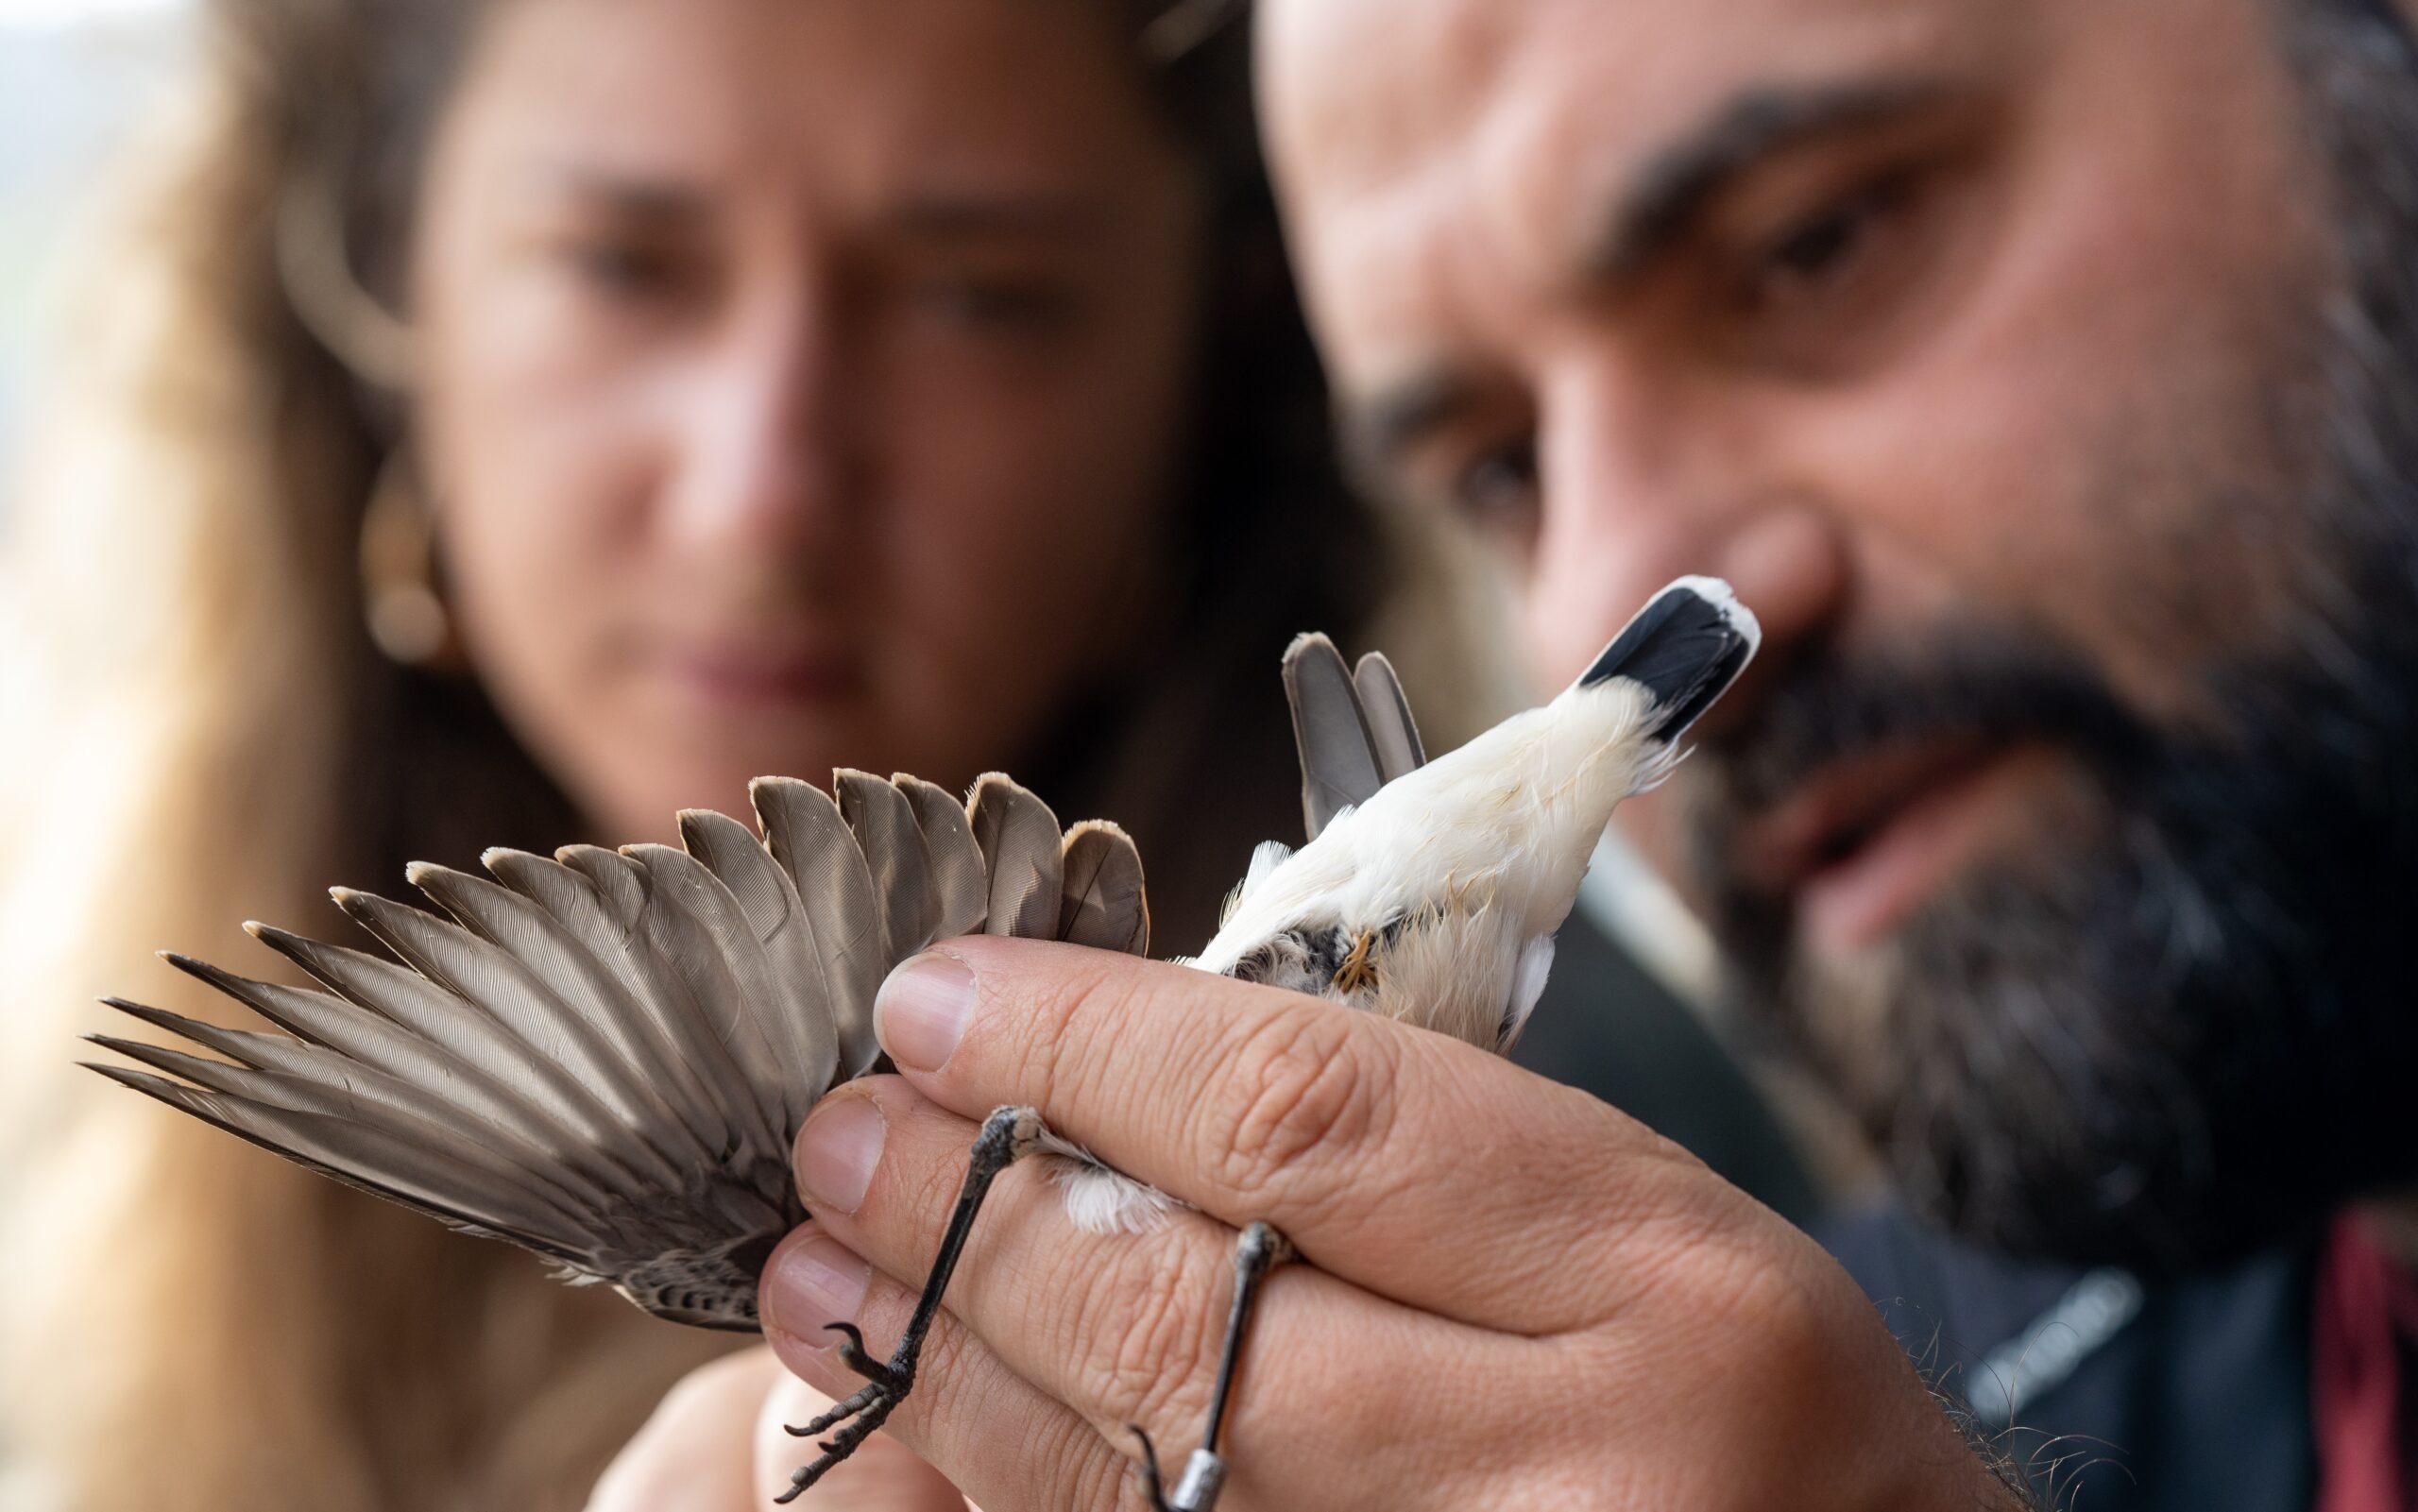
(1513, 1296)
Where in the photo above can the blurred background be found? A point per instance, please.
(74, 76)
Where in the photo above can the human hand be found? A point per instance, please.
(716, 1445)
(1514, 1295)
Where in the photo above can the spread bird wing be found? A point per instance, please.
(1352, 728)
(605, 1056)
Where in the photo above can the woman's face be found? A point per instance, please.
(804, 381)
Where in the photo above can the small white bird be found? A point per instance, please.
(607, 1057)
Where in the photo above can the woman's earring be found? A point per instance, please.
(406, 615)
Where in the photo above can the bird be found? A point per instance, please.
(605, 1057)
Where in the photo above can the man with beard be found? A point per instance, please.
(2044, 373)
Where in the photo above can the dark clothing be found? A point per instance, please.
(1609, 1028)
(2193, 1395)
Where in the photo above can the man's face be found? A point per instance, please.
(2005, 357)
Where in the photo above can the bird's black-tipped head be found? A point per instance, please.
(1685, 649)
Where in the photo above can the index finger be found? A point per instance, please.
(1414, 1165)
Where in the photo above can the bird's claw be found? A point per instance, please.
(857, 1417)
(855, 1356)
(1153, 1490)
(1205, 1477)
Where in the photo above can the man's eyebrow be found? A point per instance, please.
(630, 195)
(1677, 185)
(1670, 194)
(1378, 430)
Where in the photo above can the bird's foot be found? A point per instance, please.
(1205, 1476)
(1260, 1249)
(1007, 1136)
(886, 1386)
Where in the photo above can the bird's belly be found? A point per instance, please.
(1452, 973)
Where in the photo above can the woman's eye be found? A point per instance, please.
(1496, 490)
(1022, 304)
(627, 270)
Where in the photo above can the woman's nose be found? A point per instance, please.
(765, 451)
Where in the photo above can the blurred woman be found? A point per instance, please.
(509, 423)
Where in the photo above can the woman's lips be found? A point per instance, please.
(753, 677)
(1871, 841)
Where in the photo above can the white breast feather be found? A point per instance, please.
(1100, 1199)
(1510, 818)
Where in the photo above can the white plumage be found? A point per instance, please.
(1455, 872)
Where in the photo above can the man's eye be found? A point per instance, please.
(1826, 247)
(1814, 249)
(1830, 292)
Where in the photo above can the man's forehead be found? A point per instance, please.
(1435, 62)
(1397, 125)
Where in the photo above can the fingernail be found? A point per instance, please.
(920, 1013)
(837, 1151)
(811, 1285)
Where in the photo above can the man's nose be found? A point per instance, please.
(1634, 496)
(767, 452)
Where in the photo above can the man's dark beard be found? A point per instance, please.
(2197, 1035)
(2201, 1034)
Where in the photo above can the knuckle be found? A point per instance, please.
(927, 1185)
(1096, 1475)
(1091, 1001)
(1072, 1459)
(949, 1373)
(1302, 1090)
(1738, 1287)
(1152, 1339)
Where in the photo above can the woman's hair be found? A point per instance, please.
(203, 733)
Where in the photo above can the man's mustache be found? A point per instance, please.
(1966, 682)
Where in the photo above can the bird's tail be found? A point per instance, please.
(1685, 648)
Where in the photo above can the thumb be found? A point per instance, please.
(883, 1475)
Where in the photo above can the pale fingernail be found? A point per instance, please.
(813, 1286)
(837, 1151)
(921, 1012)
